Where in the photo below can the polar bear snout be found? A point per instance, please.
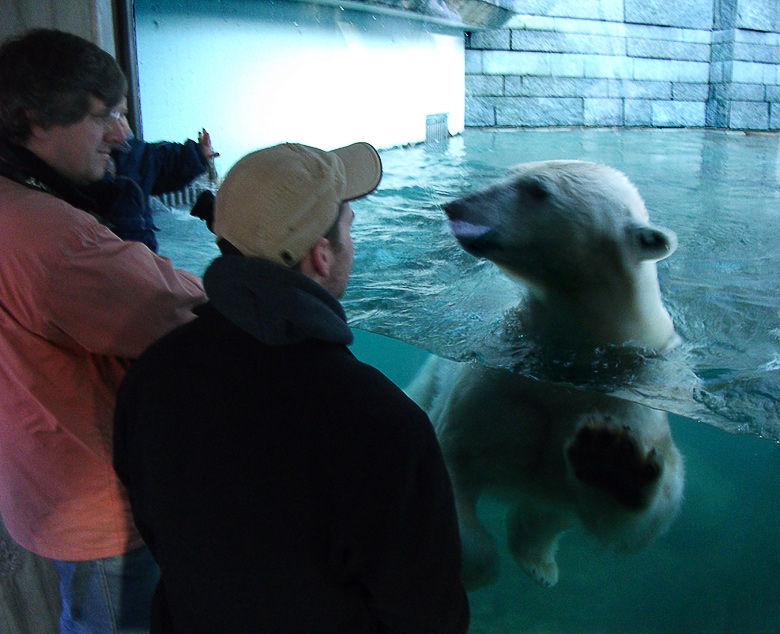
(474, 237)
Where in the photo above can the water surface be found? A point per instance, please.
(718, 190)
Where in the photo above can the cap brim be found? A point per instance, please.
(363, 169)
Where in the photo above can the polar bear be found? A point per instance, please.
(577, 234)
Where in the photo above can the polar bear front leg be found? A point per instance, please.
(533, 535)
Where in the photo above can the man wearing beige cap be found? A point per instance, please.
(281, 484)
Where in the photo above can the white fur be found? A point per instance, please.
(578, 235)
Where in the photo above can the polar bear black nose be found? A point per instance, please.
(454, 210)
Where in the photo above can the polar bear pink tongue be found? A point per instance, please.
(467, 230)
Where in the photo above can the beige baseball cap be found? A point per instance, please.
(277, 202)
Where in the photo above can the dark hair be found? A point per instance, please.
(47, 77)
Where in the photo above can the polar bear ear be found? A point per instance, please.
(652, 243)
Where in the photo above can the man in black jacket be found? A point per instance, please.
(281, 484)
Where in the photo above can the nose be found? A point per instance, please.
(126, 131)
(454, 210)
(116, 133)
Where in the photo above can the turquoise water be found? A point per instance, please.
(717, 570)
(719, 191)
(718, 567)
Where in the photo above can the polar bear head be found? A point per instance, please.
(578, 234)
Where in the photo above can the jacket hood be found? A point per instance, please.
(276, 305)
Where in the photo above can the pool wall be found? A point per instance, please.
(259, 73)
(691, 63)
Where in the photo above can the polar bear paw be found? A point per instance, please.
(536, 557)
(533, 534)
(608, 456)
(545, 574)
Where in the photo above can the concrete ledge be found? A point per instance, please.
(580, 9)
(616, 29)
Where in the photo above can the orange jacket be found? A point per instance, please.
(76, 305)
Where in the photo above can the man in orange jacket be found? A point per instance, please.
(77, 304)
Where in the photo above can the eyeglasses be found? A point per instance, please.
(107, 118)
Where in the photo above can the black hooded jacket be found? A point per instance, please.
(281, 484)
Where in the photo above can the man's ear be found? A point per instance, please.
(318, 260)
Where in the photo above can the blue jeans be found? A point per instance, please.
(107, 596)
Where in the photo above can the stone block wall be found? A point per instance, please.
(628, 63)
(744, 80)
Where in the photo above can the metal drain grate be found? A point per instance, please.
(187, 196)
(436, 129)
(180, 198)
